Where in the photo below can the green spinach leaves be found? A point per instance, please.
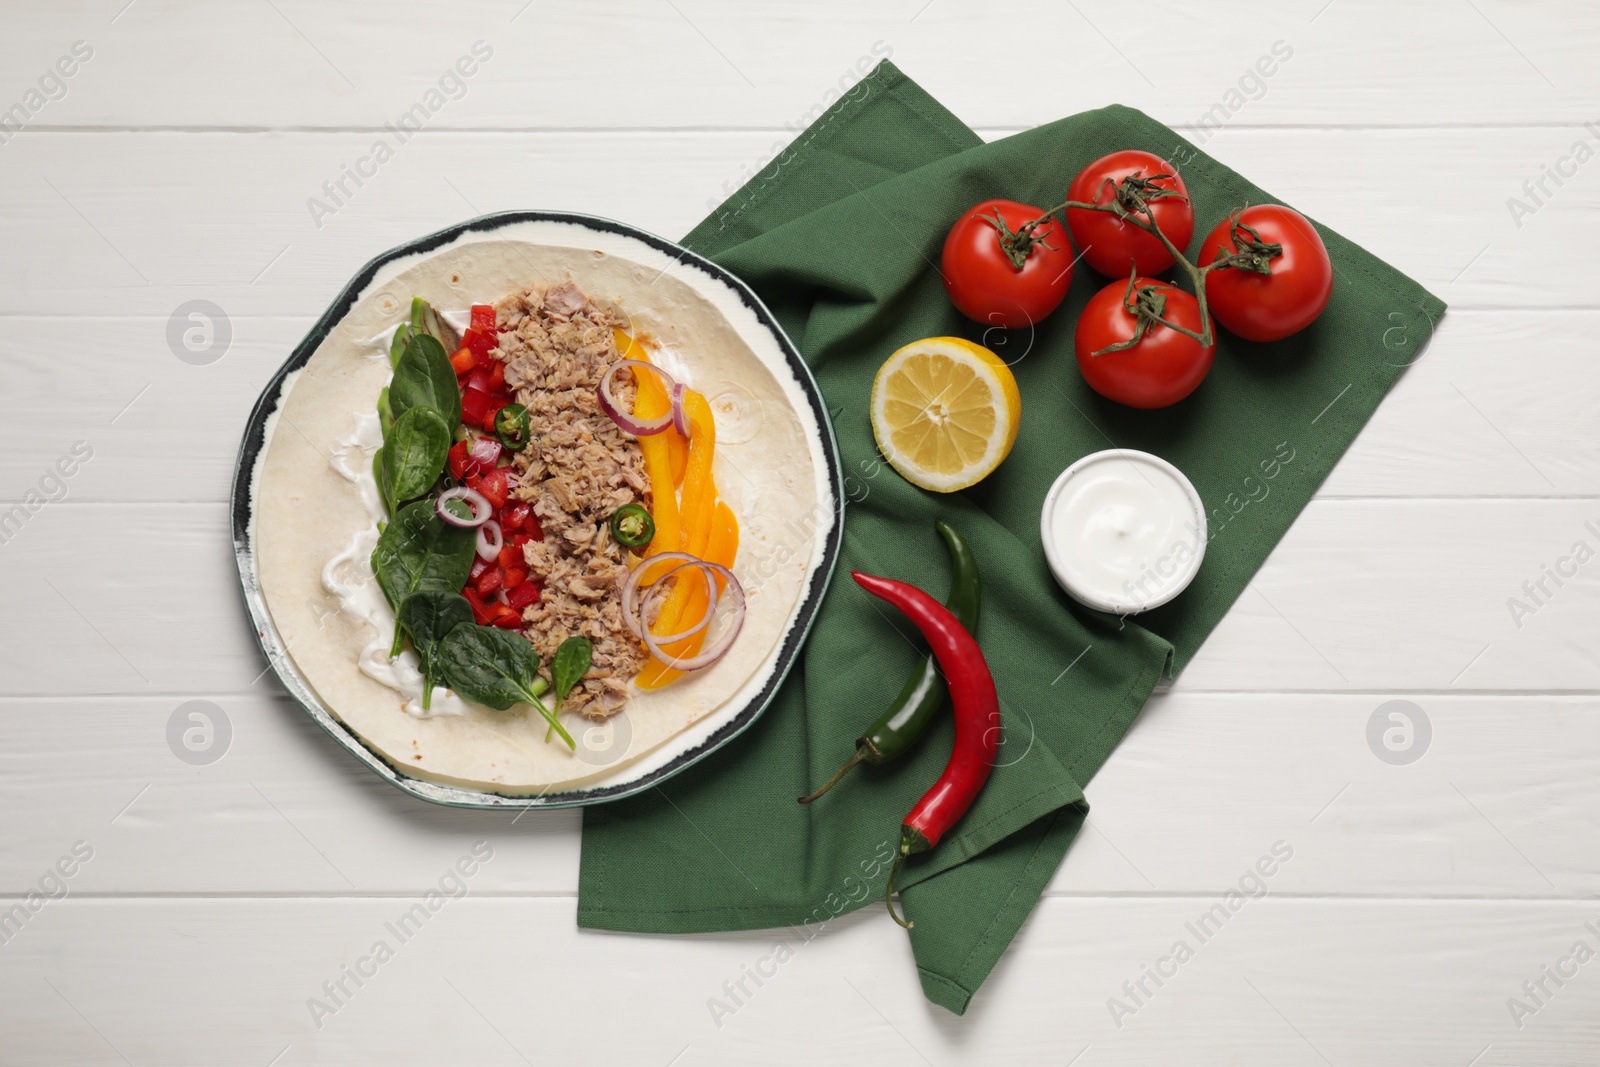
(429, 617)
(420, 552)
(496, 668)
(424, 378)
(567, 669)
(413, 455)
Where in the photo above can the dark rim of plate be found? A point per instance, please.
(255, 437)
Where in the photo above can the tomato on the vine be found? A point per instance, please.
(1285, 285)
(1150, 365)
(1134, 179)
(1006, 264)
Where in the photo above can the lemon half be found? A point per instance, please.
(945, 412)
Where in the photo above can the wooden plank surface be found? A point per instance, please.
(176, 163)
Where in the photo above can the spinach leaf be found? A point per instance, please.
(429, 617)
(384, 492)
(385, 414)
(397, 346)
(414, 454)
(424, 378)
(424, 320)
(420, 552)
(567, 669)
(496, 668)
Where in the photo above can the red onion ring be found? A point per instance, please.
(680, 420)
(633, 616)
(481, 508)
(660, 587)
(487, 550)
(630, 615)
(609, 404)
(485, 451)
(719, 648)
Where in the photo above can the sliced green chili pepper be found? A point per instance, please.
(511, 424)
(924, 692)
(632, 526)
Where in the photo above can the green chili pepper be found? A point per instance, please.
(632, 526)
(511, 424)
(925, 691)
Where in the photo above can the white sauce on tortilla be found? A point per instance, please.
(349, 578)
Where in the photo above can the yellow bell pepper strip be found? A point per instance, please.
(677, 447)
(650, 402)
(695, 510)
(722, 548)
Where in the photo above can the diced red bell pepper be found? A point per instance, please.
(461, 461)
(475, 404)
(514, 517)
(497, 376)
(511, 620)
(481, 612)
(464, 361)
(480, 341)
(482, 317)
(535, 531)
(480, 379)
(488, 581)
(511, 558)
(495, 487)
(523, 595)
(513, 577)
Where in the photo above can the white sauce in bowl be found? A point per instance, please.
(1124, 531)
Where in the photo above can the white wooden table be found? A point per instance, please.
(220, 896)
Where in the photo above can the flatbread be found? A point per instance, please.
(769, 467)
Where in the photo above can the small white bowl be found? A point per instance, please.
(1144, 586)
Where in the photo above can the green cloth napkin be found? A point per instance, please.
(840, 235)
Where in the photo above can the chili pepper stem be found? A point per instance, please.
(911, 841)
(888, 890)
(849, 765)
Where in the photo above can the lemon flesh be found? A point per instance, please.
(945, 412)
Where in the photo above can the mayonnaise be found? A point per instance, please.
(348, 577)
(1124, 531)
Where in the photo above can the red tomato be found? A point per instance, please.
(983, 282)
(1287, 299)
(1113, 246)
(1163, 367)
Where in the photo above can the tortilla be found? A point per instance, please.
(769, 467)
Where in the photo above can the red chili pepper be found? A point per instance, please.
(977, 714)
